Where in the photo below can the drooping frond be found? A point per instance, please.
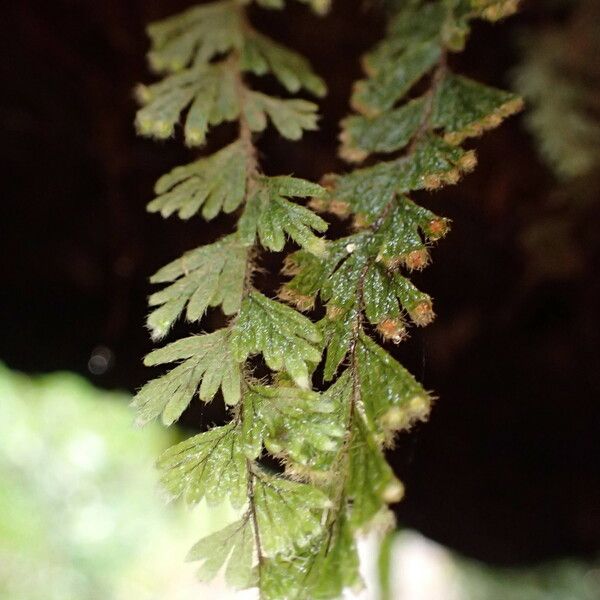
(294, 534)
(412, 115)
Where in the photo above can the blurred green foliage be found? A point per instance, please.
(559, 80)
(560, 580)
(81, 517)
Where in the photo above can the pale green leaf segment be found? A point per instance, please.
(295, 535)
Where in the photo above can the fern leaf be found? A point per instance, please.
(211, 275)
(320, 573)
(295, 535)
(232, 546)
(272, 216)
(372, 484)
(464, 108)
(391, 396)
(261, 55)
(415, 24)
(210, 465)
(379, 93)
(288, 514)
(368, 191)
(196, 35)
(211, 92)
(388, 132)
(159, 116)
(337, 332)
(210, 185)
(207, 365)
(296, 424)
(355, 268)
(290, 117)
(287, 340)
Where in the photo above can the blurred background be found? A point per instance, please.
(505, 477)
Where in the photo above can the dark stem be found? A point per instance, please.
(250, 490)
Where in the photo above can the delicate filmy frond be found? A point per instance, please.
(299, 425)
(336, 566)
(432, 164)
(204, 52)
(210, 465)
(206, 365)
(288, 515)
(209, 185)
(287, 340)
(208, 91)
(183, 46)
(260, 55)
(196, 35)
(389, 132)
(391, 396)
(290, 117)
(294, 537)
(461, 108)
(232, 546)
(362, 269)
(412, 25)
(273, 217)
(464, 108)
(393, 79)
(211, 275)
(321, 572)
(371, 482)
(338, 339)
(363, 279)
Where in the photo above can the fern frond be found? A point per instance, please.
(204, 53)
(364, 279)
(295, 532)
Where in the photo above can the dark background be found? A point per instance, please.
(507, 468)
